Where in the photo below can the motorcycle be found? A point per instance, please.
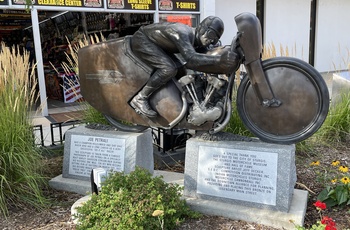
(280, 100)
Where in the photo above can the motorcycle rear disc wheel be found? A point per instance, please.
(124, 126)
(304, 96)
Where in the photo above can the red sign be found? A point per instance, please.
(185, 19)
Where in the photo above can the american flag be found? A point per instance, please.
(71, 88)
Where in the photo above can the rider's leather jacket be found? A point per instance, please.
(179, 38)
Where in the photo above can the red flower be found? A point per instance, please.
(330, 224)
(327, 221)
(328, 227)
(320, 205)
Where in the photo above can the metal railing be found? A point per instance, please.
(41, 134)
(59, 125)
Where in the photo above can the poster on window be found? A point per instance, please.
(185, 19)
(71, 88)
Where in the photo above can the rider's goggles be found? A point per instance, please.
(211, 35)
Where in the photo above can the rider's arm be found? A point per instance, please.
(227, 62)
(223, 63)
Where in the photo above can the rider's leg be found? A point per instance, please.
(158, 79)
(165, 66)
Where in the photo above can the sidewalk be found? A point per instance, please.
(54, 107)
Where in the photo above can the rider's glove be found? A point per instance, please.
(229, 61)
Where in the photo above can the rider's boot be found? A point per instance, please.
(140, 102)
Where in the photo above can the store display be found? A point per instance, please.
(69, 27)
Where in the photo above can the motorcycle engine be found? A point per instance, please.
(206, 92)
(199, 116)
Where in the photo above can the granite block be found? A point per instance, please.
(85, 149)
(254, 174)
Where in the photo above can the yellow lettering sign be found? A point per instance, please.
(51, 2)
(186, 5)
(73, 3)
(139, 6)
(145, 1)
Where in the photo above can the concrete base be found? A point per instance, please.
(82, 187)
(265, 217)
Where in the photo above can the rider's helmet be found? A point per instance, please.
(213, 23)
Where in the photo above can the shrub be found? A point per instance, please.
(134, 201)
(19, 160)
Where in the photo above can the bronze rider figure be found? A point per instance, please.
(157, 44)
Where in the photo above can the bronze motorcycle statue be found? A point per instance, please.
(280, 100)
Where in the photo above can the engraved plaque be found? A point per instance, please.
(88, 152)
(238, 174)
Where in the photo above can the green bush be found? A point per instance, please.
(336, 127)
(20, 179)
(134, 201)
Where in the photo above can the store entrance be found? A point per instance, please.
(58, 31)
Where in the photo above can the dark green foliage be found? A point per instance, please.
(333, 196)
(128, 202)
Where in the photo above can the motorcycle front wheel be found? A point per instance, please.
(304, 97)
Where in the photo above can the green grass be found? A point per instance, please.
(92, 116)
(336, 127)
(335, 131)
(235, 124)
(20, 179)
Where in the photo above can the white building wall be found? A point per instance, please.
(227, 10)
(207, 8)
(287, 27)
(332, 35)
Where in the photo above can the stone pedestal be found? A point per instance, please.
(85, 149)
(240, 175)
